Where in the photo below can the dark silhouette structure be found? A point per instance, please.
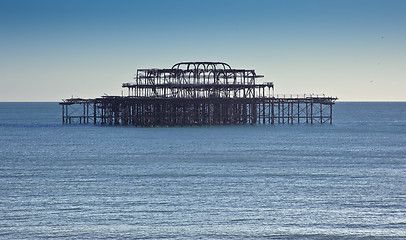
(198, 93)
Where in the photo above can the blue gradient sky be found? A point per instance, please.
(352, 49)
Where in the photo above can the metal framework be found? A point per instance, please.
(198, 93)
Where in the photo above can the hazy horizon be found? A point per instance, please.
(53, 50)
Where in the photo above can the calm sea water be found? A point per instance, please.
(341, 181)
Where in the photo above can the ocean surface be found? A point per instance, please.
(341, 181)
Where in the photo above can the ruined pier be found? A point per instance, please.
(198, 93)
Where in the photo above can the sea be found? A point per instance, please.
(345, 180)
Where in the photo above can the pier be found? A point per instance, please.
(198, 93)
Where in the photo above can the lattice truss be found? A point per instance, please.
(302, 111)
(78, 111)
(197, 80)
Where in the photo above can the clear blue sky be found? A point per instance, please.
(352, 49)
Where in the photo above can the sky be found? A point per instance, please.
(351, 49)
